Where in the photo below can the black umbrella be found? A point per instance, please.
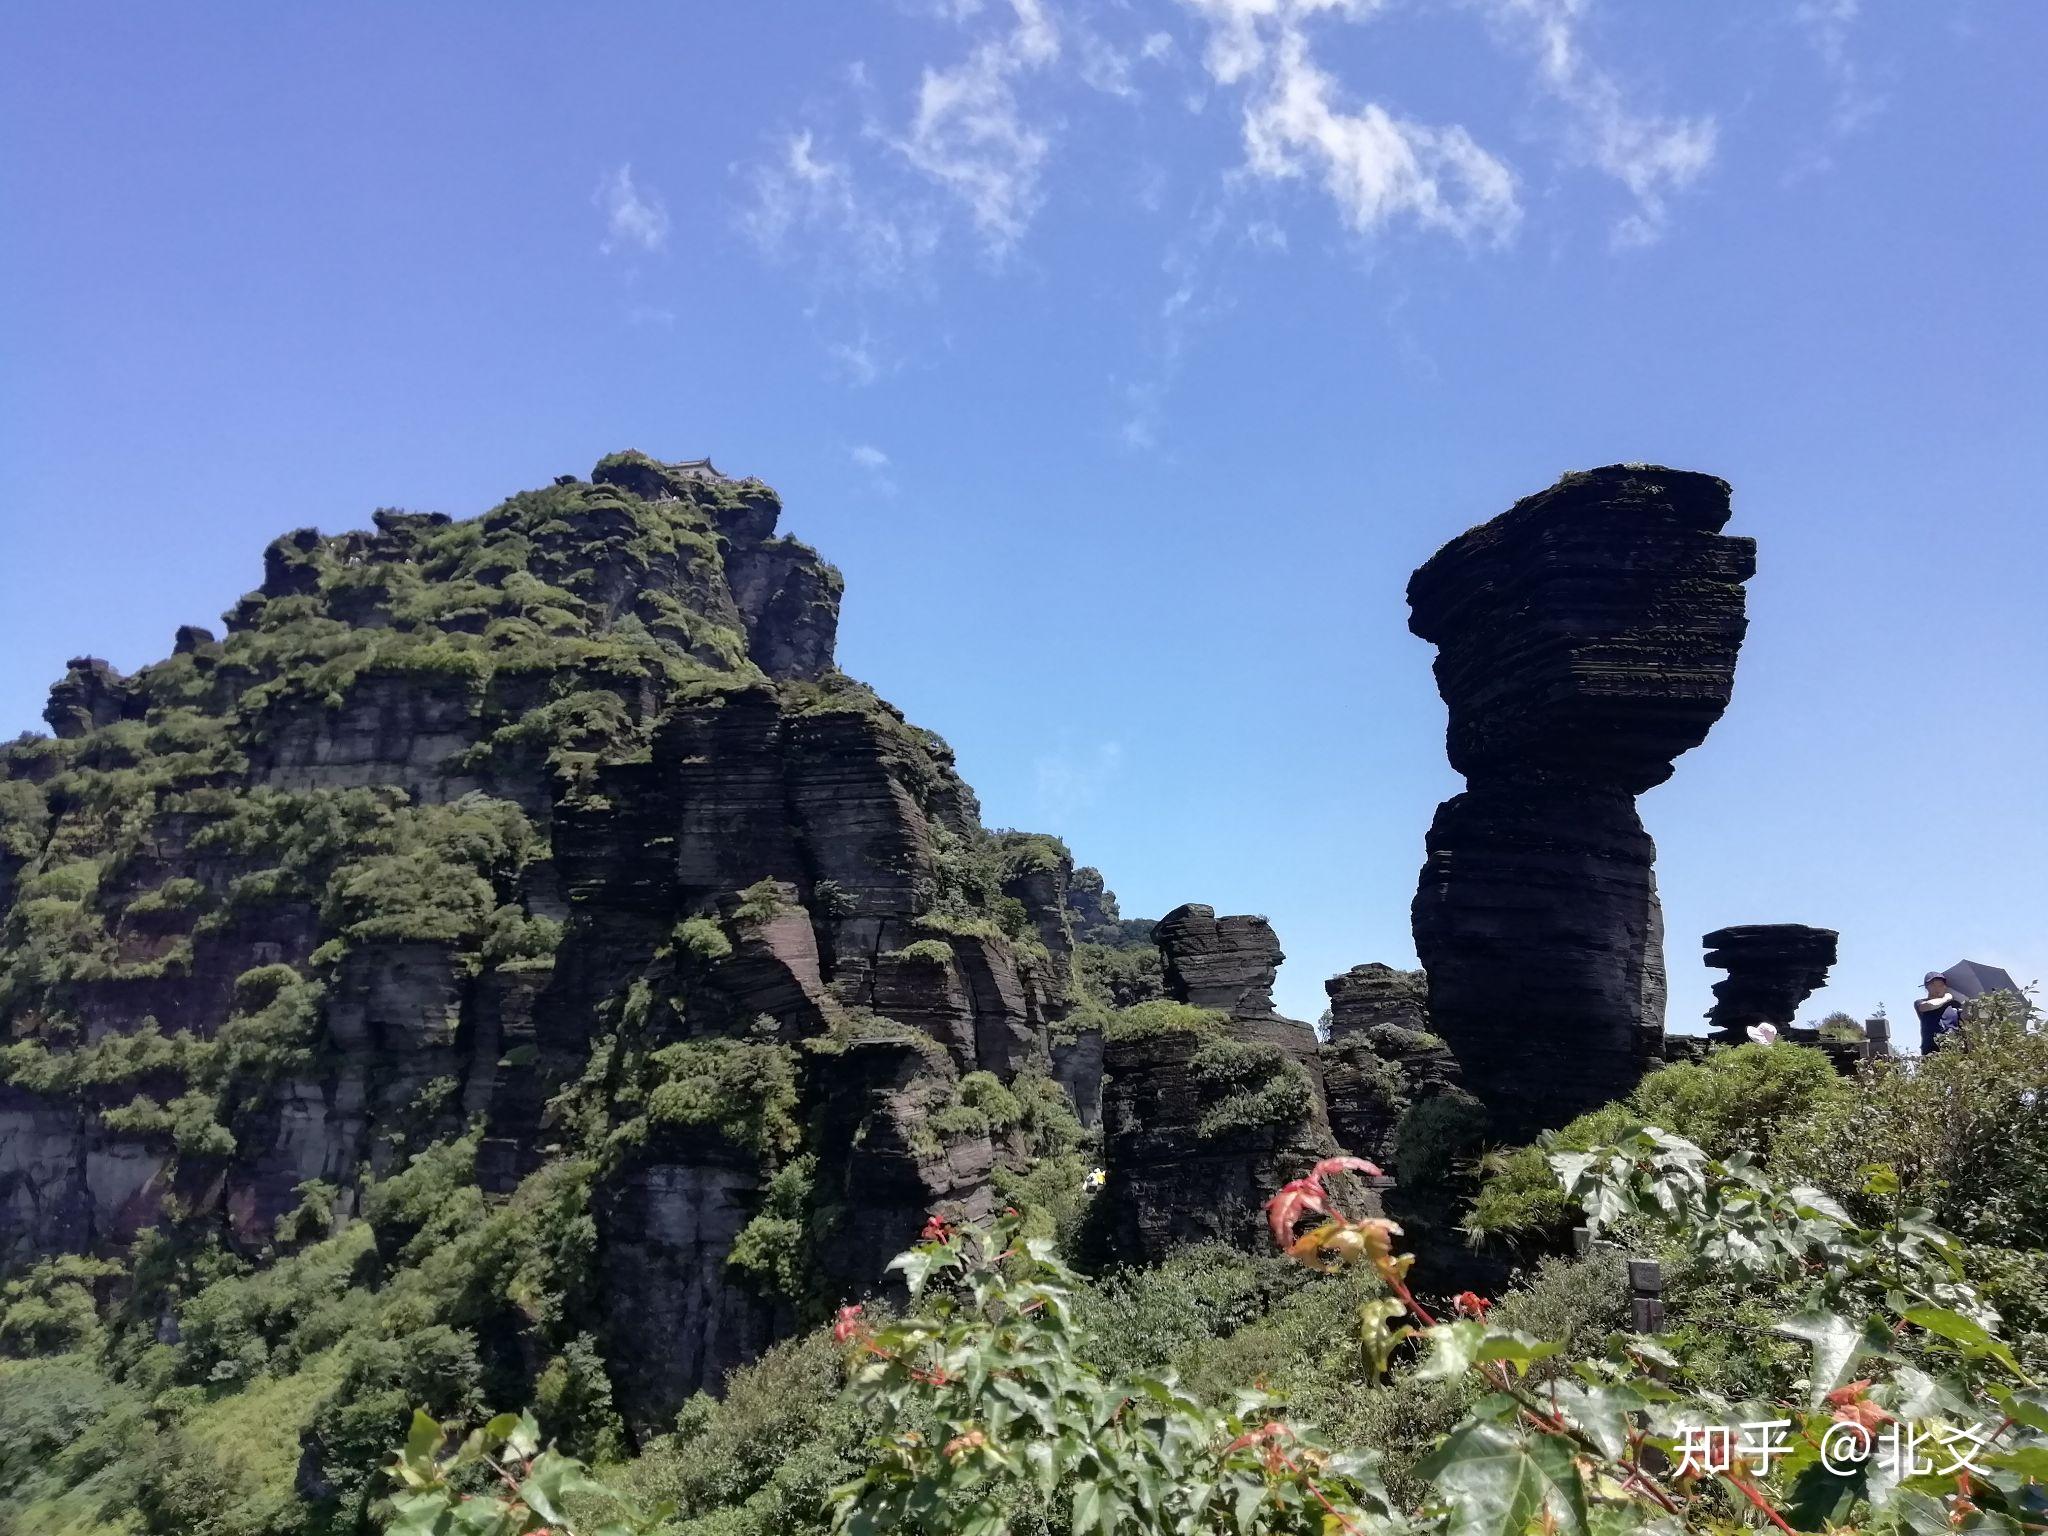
(1966, 978)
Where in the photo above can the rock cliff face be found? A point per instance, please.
(1228, 965)
(1381, 1059)
(554, 837)
(1211, 1100)
(1585, 638)
(1772, 968)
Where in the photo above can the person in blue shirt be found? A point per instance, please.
(1941, 1014)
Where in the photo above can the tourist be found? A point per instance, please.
(1941, 1013)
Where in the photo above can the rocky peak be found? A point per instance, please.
(1370, 995)
(558, 822)
(1772, 968)
(1585, 638)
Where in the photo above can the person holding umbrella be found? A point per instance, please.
(1941, 1013)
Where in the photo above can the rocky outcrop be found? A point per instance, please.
(1585, 638)
(1199, 1130)
(560, 819)
(1228, 965)
(1374, 994)
(1381, 1059)
(1772, 968)
(1208, 1109)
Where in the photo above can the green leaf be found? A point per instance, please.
(422, 1439)
(1837, 1345)
(1601, 1413)
(1496, 1482)
(1250, 1495)
(1975, 1340)
(2029, 1461)
(1087, 1506)
(917, 1266)
(524, 1438)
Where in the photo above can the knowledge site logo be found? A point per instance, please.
(1846, 1447)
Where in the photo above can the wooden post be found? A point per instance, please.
(1646, 1295)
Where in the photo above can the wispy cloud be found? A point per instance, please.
(868, 457)
(969, 135)
(634, 220)
(1827, 25)
(859, 361)
(1072, 779)
(805, 190)
(1377, 168)
(1651, 155)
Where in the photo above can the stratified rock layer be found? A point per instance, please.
(1228, 965)
(1772, 968)
(1381, 1059)
(548, 839)
(1585, 639)
(1207, 1111)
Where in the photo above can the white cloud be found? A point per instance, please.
(868, 457)
(1653, 156)
(633, 219)
(651, 314)
(1376, 168)
(970, 136)
(804, 189)
(857, 361)
(1073, 778)
(1827, 25)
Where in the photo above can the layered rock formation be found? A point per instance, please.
(1772, 968)
(553, 837)
(1228, 965)
(1381, 1059)
(1586, 637)
(1211, 1100)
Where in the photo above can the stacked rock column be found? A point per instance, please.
(1586, 637)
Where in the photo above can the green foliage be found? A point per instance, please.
(931, 952)
(761, 901)
(772, 1249)
(743, 1090)
(760, 1459)
(1738, 1100)
(703, 938)
(50, 1308)
(1161, 1017)
(1248, 1086)
(988, 1419)
(496, 1481)
(522, 942)
(433, 875)
(24, 818)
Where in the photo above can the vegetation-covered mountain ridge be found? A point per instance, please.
(543, 863)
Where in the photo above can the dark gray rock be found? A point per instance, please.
(1585, 639)
(1772, 968)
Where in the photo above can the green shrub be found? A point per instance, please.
(702, 937)
(744, 1090)
(760, 902)
(1248, 1086)
(1161, 1017)
(1737, 1100)
(930, 952)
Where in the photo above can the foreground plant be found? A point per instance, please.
(496, 1481)
(987, 1417)
(1912, 1415)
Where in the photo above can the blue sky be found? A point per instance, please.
(1126, 357)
